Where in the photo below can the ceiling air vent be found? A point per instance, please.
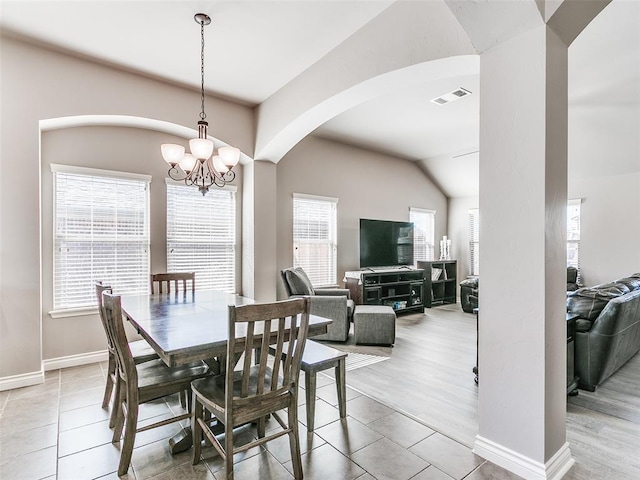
(451, 96)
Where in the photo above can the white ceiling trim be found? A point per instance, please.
(129, 121)
(280, 144)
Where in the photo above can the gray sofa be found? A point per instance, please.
(333, 303)
(607, 330)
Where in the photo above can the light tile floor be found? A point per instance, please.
(58, 430)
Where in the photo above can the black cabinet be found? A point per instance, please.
(441, 284)
(401, 288)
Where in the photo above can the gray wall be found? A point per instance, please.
(111, 148)
(609, 230)
(459, 232)
(38, 84)
(367, 185)
(609, 226)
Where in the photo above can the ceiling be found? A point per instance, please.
(255, 47)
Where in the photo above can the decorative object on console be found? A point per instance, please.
(445, 248)
(200, 168)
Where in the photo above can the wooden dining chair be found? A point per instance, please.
(140, 383)
(255, 391)
(141, 352)
(163, 281)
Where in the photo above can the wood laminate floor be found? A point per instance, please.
(429, 377)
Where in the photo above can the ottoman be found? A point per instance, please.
(374, 325)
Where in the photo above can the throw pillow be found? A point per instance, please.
(299, 282)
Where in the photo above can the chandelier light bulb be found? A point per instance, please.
(230, 156)
(218, 165)
(172, 153)
(188, 163)
(201, 147)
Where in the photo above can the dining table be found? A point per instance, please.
(185, 327)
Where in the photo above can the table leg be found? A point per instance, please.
(183, 440)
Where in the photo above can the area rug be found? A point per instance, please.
(358, 360)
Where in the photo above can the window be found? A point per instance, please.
(201, 235)
(423, 233)
(314, 237)
(101, 232)
(474, 241)
(573, 233)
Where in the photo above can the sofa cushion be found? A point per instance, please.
(298, 282)
(588, 302)
(632, 282)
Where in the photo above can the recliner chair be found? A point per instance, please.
(333, 303)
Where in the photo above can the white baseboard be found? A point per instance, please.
(74, 360)
(553, 469)
(36, 378)
(22, 380)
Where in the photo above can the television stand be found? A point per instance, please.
(401, 288)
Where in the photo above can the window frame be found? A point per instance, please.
(574, 242)
(330, 275)
(474, 241)
(430, 216)
(57, 169)
(202, 279)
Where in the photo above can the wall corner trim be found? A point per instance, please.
(554, 469)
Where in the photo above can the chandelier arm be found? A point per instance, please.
(229, 176)
(174, 174)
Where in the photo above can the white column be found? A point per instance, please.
(523, 195)
(259, 272)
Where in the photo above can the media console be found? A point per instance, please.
(401, 288)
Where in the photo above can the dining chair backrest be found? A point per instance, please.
(100, 288)
(162, 280)
(288, 324)
(112, 309)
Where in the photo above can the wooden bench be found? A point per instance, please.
(316, 358)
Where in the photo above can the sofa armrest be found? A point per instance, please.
(333, 292)
(335, 308)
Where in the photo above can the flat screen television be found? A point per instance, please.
(385, 243)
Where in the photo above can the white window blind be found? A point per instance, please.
(101, 232)
(573, 233)
(474, 241)
(423, 233)
(314, 237)
(201, 235)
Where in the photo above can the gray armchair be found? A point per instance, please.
(333, 303)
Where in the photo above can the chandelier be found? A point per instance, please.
(201, 168)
